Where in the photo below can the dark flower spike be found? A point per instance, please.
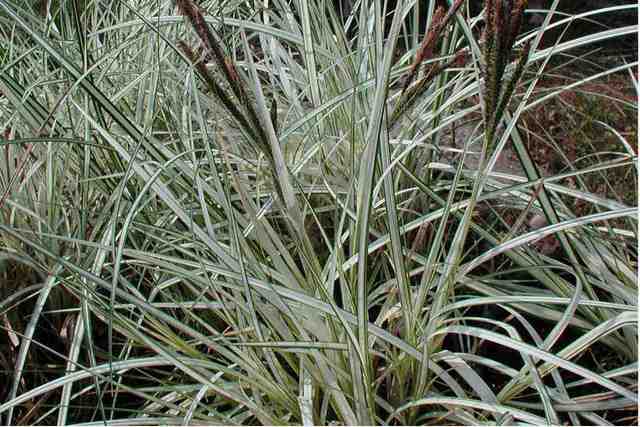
(225, 64)
(507, 9)
(453, 10)
(215, 88)
(213, 49)
(499, 35)
(504, 28)
(411, 96)
(511, 86)
(274, 114)
(425, 51)
(489, 59)
(489, 34)
(517, 14)
(442, 23)
(503, 20)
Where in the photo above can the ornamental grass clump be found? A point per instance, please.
(258, 213)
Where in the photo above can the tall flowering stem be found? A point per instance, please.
(413, 93)
(425, 52)
(503, 21)
(214, 52)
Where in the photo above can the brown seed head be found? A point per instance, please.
(231, 68)
(517, 15)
